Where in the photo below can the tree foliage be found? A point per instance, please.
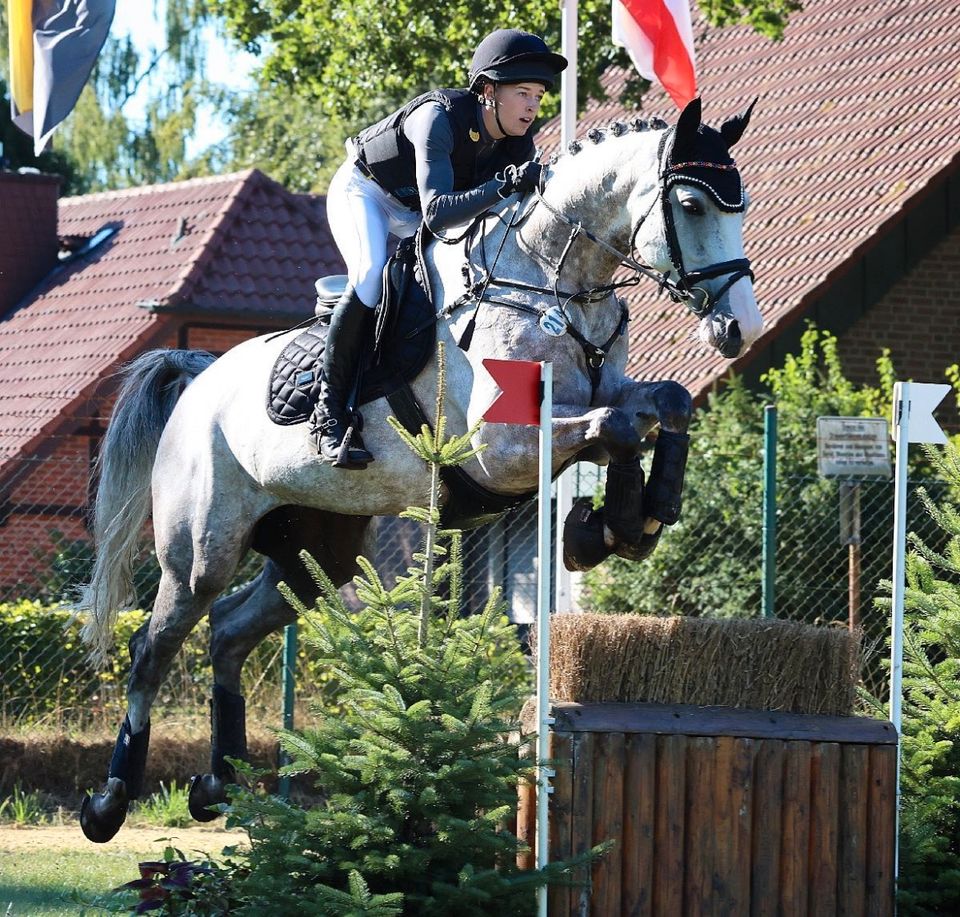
(102, 144)
(930, 815)
(364, 56)
(330, 68)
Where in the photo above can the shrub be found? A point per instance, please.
(46, 668)
(709, 563)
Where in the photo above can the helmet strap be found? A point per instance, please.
(496, 111)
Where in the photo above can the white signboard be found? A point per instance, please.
(853, 446)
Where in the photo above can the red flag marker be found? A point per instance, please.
(520, 392)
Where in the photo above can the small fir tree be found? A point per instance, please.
(930, 775)
(417, 775)
(417, 767)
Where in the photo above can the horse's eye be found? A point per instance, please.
(692, 206)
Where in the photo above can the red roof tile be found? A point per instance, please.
(857, 116)
(237, 245)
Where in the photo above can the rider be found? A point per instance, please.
(443, 158)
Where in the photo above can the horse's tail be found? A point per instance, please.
(152, 383)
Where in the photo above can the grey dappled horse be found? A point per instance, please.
(190, 439)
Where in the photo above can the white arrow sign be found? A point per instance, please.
(914, 404)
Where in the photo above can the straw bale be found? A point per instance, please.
(761, 664)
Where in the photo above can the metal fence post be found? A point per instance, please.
(769, 509)
(288, 684)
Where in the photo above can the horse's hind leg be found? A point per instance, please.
(240, 622)
(190, 580)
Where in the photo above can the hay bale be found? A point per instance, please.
(64, 767)
(761, 664)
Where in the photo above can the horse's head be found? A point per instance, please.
(690, 229)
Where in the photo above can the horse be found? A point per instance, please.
(534, 278)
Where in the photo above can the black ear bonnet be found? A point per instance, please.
(698, 155)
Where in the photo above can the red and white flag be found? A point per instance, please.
(659, 39)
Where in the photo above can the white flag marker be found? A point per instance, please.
(913, 422)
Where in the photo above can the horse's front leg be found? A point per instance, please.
(669, 405)
(634, 513)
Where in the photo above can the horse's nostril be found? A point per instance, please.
(730, 341)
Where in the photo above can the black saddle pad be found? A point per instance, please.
(403, 344)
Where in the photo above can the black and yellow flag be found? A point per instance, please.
(53, 47)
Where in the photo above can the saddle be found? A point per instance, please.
(403, 343)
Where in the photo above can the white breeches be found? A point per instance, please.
(361, 216)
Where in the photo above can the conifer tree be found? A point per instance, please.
(930, 777)
(417, 775)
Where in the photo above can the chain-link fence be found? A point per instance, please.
(712, 567)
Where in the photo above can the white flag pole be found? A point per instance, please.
(901, 427)
(913, 422)
(544, 719)
(568, 131)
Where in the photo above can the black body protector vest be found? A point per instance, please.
(387, 156)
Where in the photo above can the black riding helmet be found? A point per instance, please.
(512, 56)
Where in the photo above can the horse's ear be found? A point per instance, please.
(732, 129)
(685, 134)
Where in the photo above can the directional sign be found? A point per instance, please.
(853, 446)
(914, 403)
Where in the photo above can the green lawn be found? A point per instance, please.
(37, 883)
(41, 868)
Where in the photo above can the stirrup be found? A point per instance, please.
(347, 451)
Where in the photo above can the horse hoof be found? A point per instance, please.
(642, 549)
(102, 814)
(206, 790)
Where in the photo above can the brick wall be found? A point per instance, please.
(919, 322)
(219, 340)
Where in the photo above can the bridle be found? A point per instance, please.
(686, 288)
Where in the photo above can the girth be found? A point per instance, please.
(468, 504)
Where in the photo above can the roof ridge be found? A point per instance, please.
(157, 188)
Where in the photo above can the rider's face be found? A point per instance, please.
(517, 104)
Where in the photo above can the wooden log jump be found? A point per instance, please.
(721, 811)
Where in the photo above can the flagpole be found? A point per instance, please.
(544, 720)
(913, 422)
(901, 426)
(568, 131)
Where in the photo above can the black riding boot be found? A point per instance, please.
(341, 360)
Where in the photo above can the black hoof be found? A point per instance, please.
(642, 549)
(102, 814)
(206, 790)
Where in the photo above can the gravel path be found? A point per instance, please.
(210, 840)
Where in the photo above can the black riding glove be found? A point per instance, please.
(524, 179)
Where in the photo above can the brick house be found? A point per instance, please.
(88, 283)
(852, 161)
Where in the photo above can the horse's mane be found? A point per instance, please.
(615, 128)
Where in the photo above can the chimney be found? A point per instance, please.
(28, 233)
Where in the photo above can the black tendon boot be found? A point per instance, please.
(330, 421)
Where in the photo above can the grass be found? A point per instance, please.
(23, 808)
(40, 883)
(50, 873)
(169, 808)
